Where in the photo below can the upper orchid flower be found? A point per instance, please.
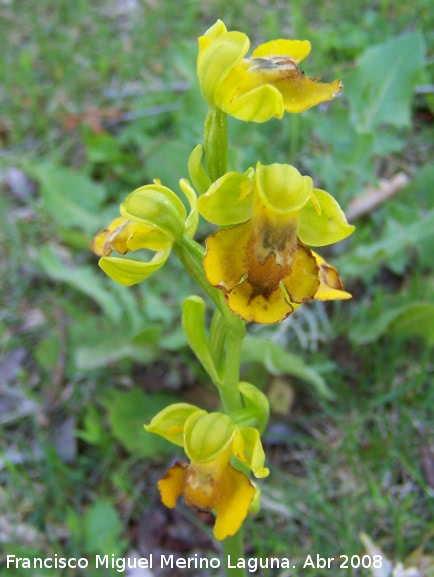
(262, 264)
(260, 87)
(210, 482)
(153, 217)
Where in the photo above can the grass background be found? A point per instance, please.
(98, 98)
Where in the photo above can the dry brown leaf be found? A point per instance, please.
(372, 197)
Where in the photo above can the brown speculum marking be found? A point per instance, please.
(269, 255)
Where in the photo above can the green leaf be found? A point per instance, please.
(93, 431)
(415, 319)
(128, 412)
(279, 362)
(98, 343)
(421, 188)
(71, 197)
(193, 323)
(217, 337)
(391, 249)
(102, 528)
(80, 277)
(371, 329)
(113, 348)
(380, 90)
(104, 148)
(47, 352)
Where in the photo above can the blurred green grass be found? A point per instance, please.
(98, 98)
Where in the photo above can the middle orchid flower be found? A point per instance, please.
(262, 264)
(263, 86)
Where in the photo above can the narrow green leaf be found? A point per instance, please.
(193, 323)
(414, 319)
(373, 328)
(112, 349)
(217, 336)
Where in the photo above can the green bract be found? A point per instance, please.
(192, 219)
(193, 323)
(197, 172)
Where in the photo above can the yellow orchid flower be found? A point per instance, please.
(260, 87)
(262, 264)
(153, 218)
(209, 482)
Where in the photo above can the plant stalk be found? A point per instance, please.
(233, 549)
(216, 143)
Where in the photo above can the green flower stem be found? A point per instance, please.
(191, 254)
(294, 136)
(234, 547)
(216, 143)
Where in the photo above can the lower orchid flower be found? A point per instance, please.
(210, 482)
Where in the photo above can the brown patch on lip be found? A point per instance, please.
(269, 256)
(273, 65)
(265, 278)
